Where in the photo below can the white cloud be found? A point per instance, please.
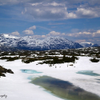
(32, 28)
(59, 10)
(43, 36)
(71, 34)
(88, 36)
(98, 31)
(29, 32)
(71, 15)
(15, 33)
(79, 34)
(85, 34)
(55, 4)
(86, 12)
(49, 11)
(54, 33)
(53, 10)
(36, 4)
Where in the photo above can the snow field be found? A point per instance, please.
(17, 87)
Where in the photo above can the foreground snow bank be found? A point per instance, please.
(17, 86)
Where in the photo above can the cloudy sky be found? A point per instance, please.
(77, 20)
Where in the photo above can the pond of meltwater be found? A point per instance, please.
(88, 72)
(63, 89)
(29, 71)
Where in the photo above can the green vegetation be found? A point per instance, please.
(57, 60)
(51, 56)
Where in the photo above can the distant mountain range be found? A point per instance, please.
(30, 43)
(10, 42)
(88, 44)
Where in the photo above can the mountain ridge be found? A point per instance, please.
(30, 43)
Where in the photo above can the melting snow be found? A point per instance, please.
(17, 86)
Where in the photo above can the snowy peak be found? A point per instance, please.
(30, 43)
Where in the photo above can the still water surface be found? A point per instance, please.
(64, 89)
(60, 88)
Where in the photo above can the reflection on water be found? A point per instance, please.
(87, 72)
(63, 89)
(29, 71)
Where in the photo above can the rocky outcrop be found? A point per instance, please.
(3, 71)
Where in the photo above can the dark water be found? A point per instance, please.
(29, 71)
(88, 72)
(64, 89)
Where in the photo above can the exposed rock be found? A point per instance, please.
(4, 70)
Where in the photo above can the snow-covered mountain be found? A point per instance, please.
(30, 43)
(88, 44)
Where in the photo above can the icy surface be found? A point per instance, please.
(17, 86)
